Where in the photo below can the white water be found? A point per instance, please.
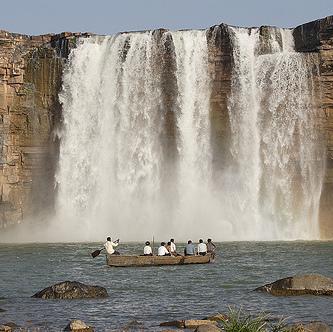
(277, 150)
(111, 174)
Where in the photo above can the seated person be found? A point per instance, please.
(189, 249)
(202, 248)
(162, 251)
(173, 248)
(147, 251)
(168, 247)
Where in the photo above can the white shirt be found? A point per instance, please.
(202, 247)
(173, 247)
(108, 245)
(162, 251)
(147, 250)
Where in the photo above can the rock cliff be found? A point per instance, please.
(30, 112)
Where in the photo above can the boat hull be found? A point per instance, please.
(124, 261)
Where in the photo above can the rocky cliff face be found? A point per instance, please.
(30, 79)
(31, 76)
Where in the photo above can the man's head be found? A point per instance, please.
(200, 241)
(169, 243)
(147, 243)
(209, 240)
(108, 238)
(162, 243)
(189, 242)
(172, 240)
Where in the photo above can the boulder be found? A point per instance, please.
(5, 328)
(71, 290)
(314, 284)
(78, 326)
(310, 327)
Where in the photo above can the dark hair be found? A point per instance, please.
(147, 243)
(172, 240)
(162, 243)
(189, 241)
(169, 243)
(200, 241)
(209, 240)
(108, 238)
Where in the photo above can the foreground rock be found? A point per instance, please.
(314, 284)
(208, 328)
(71, 290)
(310, 327)
(78, 326)
(189, 323)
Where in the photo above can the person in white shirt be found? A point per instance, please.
(202, 248)
(162, 251)
(173, 247)
(147, 251)
(109, 245)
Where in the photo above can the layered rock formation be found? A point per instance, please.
(30, 74)
(31, 77)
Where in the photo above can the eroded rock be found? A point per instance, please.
(71, 290)
(314, 284)
(78, 326)
(311, 327)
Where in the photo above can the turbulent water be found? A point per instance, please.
(136, 156)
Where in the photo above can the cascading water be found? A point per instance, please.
(136, 157)
(276, 146)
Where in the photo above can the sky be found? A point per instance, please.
(111, 16)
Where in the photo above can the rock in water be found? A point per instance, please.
(78, 326)
(71, 290)
(314, 284)
(310, 327)
(208, 328)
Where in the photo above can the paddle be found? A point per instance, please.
(96, 252)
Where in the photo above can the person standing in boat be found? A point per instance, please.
(109, 246)
(189, 249)
(162, 250)
(211, 247)
(147, 251)
(202, 248)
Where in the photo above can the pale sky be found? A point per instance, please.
(111, 16)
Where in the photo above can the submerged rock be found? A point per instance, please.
(314, 284)
(78, 326)
(71, 290)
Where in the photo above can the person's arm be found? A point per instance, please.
(115, 244)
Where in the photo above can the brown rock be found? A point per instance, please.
(78, 326)
(176, 323)
(194, 323)
(5, 328)
(314, 284)
(208, 328)
(310, 327)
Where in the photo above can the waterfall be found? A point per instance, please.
(276, 147)
(136, 157)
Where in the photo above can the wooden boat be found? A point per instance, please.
(124, 261)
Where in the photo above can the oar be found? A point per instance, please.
(96, 252)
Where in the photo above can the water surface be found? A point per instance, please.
(151, 295)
